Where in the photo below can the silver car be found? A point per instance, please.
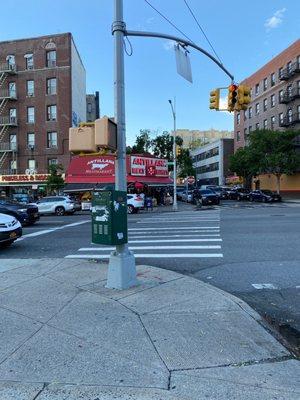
(58, 205)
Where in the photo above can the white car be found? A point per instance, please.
(10, 229)
(58, 205)
(134, 203)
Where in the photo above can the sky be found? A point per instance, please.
(245, 36)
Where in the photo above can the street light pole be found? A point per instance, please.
(173, 107)
(121, 267)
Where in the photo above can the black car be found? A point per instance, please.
(27, 214)
(207, 196)
(218, 190)
(239, 194)
(264, 196)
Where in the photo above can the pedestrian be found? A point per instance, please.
(149, 203)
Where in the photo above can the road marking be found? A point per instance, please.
(260, 286)
(44, 232)
(151, 248)
(184, 235)
(179, 221)
(155, 255)
(175, 240)
(172, 229)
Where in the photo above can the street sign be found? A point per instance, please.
(190, 180)
(183, 63)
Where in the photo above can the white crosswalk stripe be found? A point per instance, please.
(182, 235)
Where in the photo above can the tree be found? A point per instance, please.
(185, 164)
(142, 142)
(276, 152)
(245, 164)
(162, 145)
(55, 181)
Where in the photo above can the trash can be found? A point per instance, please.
(109, 217)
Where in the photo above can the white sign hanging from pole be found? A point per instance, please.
(183, 63)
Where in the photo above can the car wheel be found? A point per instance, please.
(239, 198)
(251, 198)
(263, 199)
(59, 211)
(130, 209)
(6, 244)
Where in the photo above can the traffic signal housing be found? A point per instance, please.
(232, 97)
(214, 99)
(243, 98)
(178, 150)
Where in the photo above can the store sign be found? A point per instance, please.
(24, 178)
(147, 166)
(92, 166)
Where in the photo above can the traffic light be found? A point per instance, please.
(243, 98)
(178, 150)
(214, 99)
(232, 97)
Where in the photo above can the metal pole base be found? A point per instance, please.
(121, 270)
(175, 207)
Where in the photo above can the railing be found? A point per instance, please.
(289, 95)
(7, 120)
(287, 73)
(8, 147)
(289, 120)
(6, 67)
(8, 94)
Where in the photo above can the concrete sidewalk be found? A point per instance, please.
(64, 336)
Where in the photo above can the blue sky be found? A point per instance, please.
(245, 35)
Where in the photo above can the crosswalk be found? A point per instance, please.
(185, 234)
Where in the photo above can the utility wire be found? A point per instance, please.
(202, 30)
(170, 22)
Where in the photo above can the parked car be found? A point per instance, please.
(187, 195)
(264, 196)
(58, 205)
(134, 203)
(208, 197)
(179, 193)
(10, 230)
(239, 194)
(22, 198)
(218, 190)
(26, 214)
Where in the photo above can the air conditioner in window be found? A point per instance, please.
(52, 146)
(31, 146)
(29, 66)
(30, 94)
(52, 63)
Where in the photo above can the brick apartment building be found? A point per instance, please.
(42, 94)
(275, 104)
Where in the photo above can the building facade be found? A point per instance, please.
(92, 107)
(275, 104)
(211, 162)
(42, 94)
(195, 138)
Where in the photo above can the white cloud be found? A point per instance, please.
(275, 20)
(169, 45)
(223, 102)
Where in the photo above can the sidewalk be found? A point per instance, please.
(64, 336)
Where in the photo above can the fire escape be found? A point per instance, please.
(289, 95)
(8, 116)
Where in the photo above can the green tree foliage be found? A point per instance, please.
(142, 142)
(185, 164)
(244, 165)
(162, 145)
(55, 181)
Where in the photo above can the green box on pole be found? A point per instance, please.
(109, 217)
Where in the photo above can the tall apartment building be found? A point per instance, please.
(92, 107)
(195, 138)
(42, 94)
(275, 104)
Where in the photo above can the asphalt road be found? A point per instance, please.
(249, 250)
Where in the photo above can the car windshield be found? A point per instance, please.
(206, 191)
(215, 189)
(267, 192)
(9, 201)
(243, 190)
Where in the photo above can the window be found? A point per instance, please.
(13, 165)
(265, 104)
(257, 126)
(250, 112)
(257, 108)
(12, 115)
(273, 79)
(289, 66)
(12, 90)
(29, 61)
(51, 113)
(289, 115)
(250, 129)
(11, 61)
(272, 122)
(238, 136)
(31, 163)
(265, 83)
(89, 107)
(51, 58)
(280, 118)
(280, 95)
(52, 161)
(51, 139)
(30, 140)
(51, 86)
(245, 132)
(265, 124)
(245, 114)
(238, 118)
(298, 110)
(257, 89)
(251, 92)
(289, 90)
(280, 72)
(273, 100)
(30, 88)
(13, 141)
(30, 115)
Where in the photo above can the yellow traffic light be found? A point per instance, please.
(232, 97)
(243, 98)
(178, 150)
(214, 99)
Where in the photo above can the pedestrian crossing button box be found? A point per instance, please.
(109, 217)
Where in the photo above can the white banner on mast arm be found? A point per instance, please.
(183, 63)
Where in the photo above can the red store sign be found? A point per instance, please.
(147, 166)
